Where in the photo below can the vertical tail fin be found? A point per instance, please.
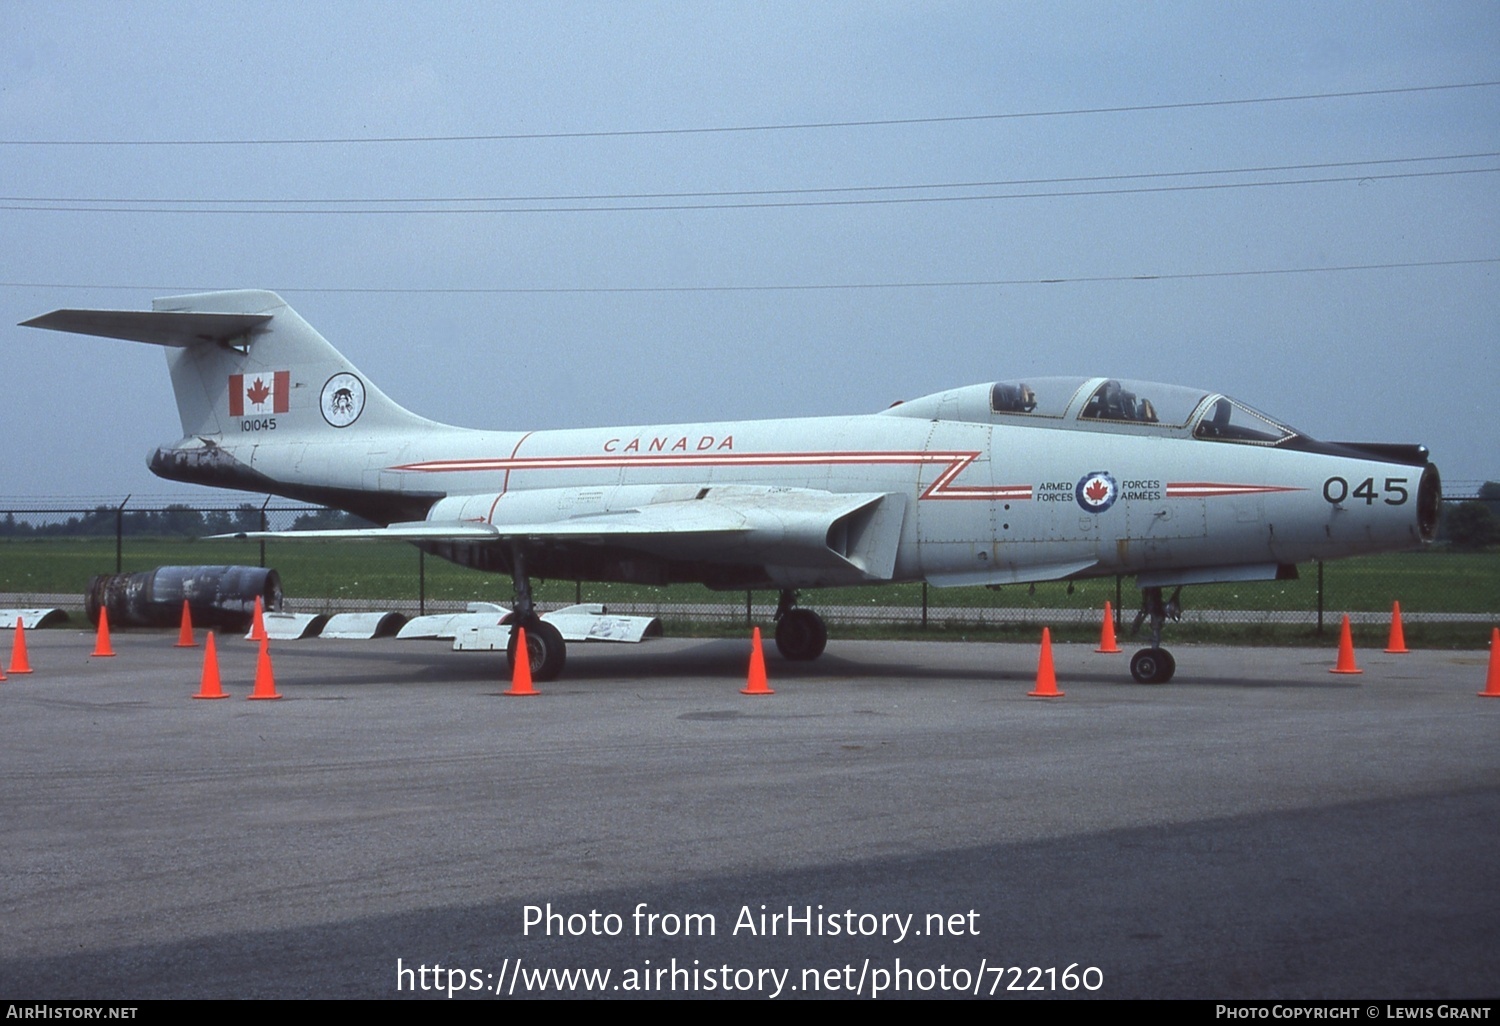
(257, 390)
(282, 370)
(245, 362)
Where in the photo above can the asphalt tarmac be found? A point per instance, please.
(899, 818)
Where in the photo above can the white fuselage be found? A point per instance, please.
(983, 503)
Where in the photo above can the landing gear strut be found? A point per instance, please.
(1155, 665)
(801, 634)
(545, 649)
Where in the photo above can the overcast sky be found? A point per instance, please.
(1361, 308)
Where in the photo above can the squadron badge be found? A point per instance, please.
(343, 400)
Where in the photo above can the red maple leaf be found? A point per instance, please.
(1096, 491)
(258, 393)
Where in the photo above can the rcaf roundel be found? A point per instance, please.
(260, 393)
(1096, 492)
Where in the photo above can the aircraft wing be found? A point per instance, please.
(825, 537)
(664, 521)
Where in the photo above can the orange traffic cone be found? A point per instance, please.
(265, 676)
(18, 661)
(756, 683)
(211, 687)
(258, 624)
(1492, 682)
(1107, 632)
(1046, 677)
(520, 674)
(1346, 651)
(185, 635)
(1397, 643)
(101, 637)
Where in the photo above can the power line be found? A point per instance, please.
(727, 193)
(817, 287)
(710, 130)
(770, 205)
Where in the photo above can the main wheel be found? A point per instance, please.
(1152, 666)
(801, 635)
(545, 649)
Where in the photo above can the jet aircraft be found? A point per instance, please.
(1010, 482)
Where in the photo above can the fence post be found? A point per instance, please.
(421, 582)
(265, 525)
(120, 535)
(749, 618)
(924, 605)
(1118, 602)
(1320, 596)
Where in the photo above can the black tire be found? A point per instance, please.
(1152, 666)
(1170, 666)
(801, 635)
(544, 647)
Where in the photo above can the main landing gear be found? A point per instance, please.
(1155, 665)
(801, 634)
(545, 649)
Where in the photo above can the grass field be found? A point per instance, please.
(1429, 581)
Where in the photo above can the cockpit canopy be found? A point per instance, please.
(1106, 404)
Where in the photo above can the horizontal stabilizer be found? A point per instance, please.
(178, 330)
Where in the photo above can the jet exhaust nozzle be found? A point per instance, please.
(218, 596)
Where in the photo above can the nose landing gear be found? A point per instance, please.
(1155, 665)
(1152, 666)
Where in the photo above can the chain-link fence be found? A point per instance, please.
(48, 556)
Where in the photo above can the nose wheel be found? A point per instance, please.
(1152, 666)
(1155, 665)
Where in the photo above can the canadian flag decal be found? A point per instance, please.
(260, 393)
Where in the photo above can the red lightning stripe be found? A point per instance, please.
(1210, 489)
